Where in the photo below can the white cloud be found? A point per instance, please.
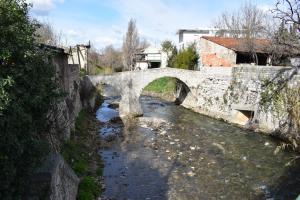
(160, 19)
(42, 7)
(157, 20)
(266, 8)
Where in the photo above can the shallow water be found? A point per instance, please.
(174, 153)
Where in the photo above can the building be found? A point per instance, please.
(190, 36)
(227, 52)
(79, 55)
(150, 57)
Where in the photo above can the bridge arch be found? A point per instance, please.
(181, 90)
(131, 84)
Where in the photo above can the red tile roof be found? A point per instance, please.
(240, 44)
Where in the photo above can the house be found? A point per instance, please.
(227, 52)
(79, 55)
(150, 57)
(190, 36)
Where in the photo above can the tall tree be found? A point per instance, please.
(247, 22)
(131, 45)
(171, 50)
(112, 58)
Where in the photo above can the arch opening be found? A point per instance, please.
(168, 88)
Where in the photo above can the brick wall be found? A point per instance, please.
(212, 54)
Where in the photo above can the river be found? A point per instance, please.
(174, 153)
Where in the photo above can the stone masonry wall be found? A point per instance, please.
(232, 97)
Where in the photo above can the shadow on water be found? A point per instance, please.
(288, 185)
(132, 171)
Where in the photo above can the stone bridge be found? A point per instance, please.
(233, 94)
(131, 84)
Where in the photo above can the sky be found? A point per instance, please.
(104, 22)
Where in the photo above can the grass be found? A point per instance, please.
(162, 85)
(79, 152)
(101, 70)
(88, 189)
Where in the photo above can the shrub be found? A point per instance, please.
(186, 59)
(89, 189)
(25, 99)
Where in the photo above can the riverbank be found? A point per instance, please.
(81, 153)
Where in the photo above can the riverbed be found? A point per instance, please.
(174, 153)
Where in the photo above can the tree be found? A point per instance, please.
(131, 44)
(144, 44)
(288, 36)
(112, 58)
(247, 22)
(171, 50)
(28, 91)
(186, 59)
(45, 34)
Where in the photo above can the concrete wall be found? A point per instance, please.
(212, 54)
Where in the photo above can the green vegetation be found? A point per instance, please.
(80, 152)
(88, 189)
(185, 59)
(102, 70)
(162, 85)
(28, 91)
(285, 102)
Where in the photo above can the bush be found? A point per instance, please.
(88, 189)
(186, 59)
(26, 98)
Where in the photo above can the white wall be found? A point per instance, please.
(141, 65)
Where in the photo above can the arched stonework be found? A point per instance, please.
(131, 84)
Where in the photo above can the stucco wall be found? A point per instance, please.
(79, 56)
(212, 54)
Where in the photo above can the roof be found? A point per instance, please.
(240, 44)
